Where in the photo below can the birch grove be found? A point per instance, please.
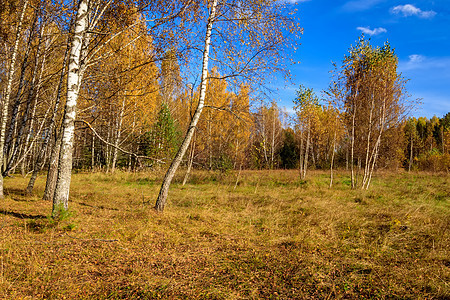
(114, 86)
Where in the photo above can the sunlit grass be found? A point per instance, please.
(270, 235)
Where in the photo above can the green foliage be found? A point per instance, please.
(70, 227)
(60, 213)
(305, 98)
(434, 161)
(430, 143)
(222, 163)
(289, 151)
(162, 141)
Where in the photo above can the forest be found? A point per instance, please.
(127, 92)
(137, 101)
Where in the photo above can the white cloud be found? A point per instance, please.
(410, 10)
(295, 1)
(375, 31)
(415, 61)
(360, 5)
(420, 62)
(416, 58)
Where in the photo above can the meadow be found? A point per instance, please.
(267, 235)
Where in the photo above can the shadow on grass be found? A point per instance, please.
(16, 192)
(97, 207)
(20, 195)
(22, 216)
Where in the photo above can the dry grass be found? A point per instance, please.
(274, 236)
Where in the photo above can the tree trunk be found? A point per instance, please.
(93, 153)
(352, 149)
(377, 144)
(346, 157)
(164, 191)
(9, 146)
(61, 196)
(301, 153)
(410, 154)
(33, 95)
(118, 134)
(40, 161)
(305, 162)
(332, 154)
(7, 95)
(52, 173)
(272, 145)
(190, 161)
(369, 134)
(352, 153)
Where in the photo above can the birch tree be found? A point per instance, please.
(373, 97)
(307, 108)
(74, 77)
(6, 96)
(249, 37)
(164, 191)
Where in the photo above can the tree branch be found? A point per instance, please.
(117, 147)
(227, 110)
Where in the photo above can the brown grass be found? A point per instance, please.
(274, 236)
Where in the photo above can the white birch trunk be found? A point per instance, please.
(272, 146)
(378, 142)
(411, 152)
(369, 135)
(190, 161)
(118, 135)
(12, 129)
(33, 95)
(164, 191)
(305, 162)
(61, 196)
(352, 151)
(332, 155)
(301, 153)
(7, 95)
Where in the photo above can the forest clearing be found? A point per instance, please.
(229, 235)
(280, 186)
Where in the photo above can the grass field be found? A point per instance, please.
(272, 236)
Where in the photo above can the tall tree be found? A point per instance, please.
(307, 107)
(374, 100)
(74, 78)
(6, 96)
(164, 191)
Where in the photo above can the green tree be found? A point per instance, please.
(289, 150)
(164, 137)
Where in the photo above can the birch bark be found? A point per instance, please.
(118, 134)
(7, 95)
(164, 191)
(334, 150)
(305, 161)
(61, 196)
(33, 95)
(40, 157)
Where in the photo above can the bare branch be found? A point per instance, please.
(227, 110)
(117, 147)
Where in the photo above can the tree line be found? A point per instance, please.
(103, 84)
(107, 84)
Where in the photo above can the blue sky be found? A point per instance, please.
(418, 30)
